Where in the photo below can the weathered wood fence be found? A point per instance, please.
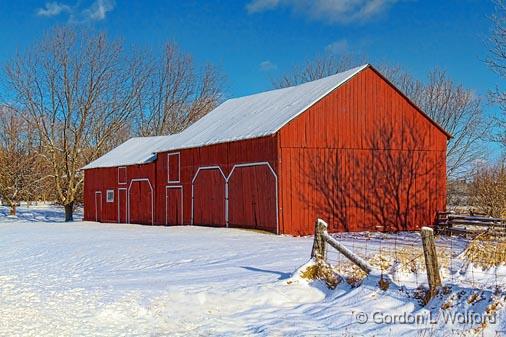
(461, 224)
(322, 239)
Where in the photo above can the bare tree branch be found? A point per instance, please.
(177, 94)
(78, 90)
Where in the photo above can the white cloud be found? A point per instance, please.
(96, 11)
(267, 66)
(53, 9)
(99, 9)
(338, 47)
(256, 6)
(331, 11)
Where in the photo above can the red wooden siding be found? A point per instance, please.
(209, 202)
(122, 205)
(141, 202)
(103, 179)
(209, 198)
(174, 205)
(173, 167)
(98, 206)
(362, 158)
(252, 198)
(122, 175)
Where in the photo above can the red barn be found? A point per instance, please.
(349, 148)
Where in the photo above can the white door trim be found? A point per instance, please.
(214, 167)
(261, 163)
(126, 177)
(101, 205)
(119, 204)
(167, 196)
(178, 154)
(227, 179)
(152, 198)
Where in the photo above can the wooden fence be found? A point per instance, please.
(323, 240)
(461, 224)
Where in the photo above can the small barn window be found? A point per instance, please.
(110, 196)
(173, 168)
(122, 175)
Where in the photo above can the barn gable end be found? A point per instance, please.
(342, 157)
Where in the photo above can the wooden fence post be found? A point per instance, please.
(319, 250)
(431, 263)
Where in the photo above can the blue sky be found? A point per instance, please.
(253, 41)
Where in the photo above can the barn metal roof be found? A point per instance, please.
(247, 117)
(240, 118)
(137, 150)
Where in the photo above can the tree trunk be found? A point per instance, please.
(13, 209)
(69, 212)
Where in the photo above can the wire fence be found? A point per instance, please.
(476, 261)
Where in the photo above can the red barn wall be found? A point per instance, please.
(172, 195)
(362, 158)
(359, 157)
(103, 179)
(209, 184)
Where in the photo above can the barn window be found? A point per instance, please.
(173, 168)
(122, 175)
(110, 196)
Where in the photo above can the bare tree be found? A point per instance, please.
(488, 190)
(321, 66)
(456, 108)
(177, 94)
(78, 90)
(497, 62)
(19, 175)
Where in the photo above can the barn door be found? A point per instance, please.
(98, 206)
(122, 205)
(252, 197)
(140, 202)
(208, 197)
(174, 205)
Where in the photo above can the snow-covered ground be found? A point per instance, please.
(90, 279)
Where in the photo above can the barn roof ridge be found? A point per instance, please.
(240, 118)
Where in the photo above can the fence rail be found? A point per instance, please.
(414, 260)
(462, 224)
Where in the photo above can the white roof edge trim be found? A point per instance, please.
(358, 69)
(267, 134)
(271, 111)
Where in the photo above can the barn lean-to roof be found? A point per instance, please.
(247, 117)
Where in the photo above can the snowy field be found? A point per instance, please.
(90, 279)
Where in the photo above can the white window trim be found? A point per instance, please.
(126, 178)
(107, 194)
(178, 154)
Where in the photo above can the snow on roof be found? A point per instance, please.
(137, 150)
(253, 116)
